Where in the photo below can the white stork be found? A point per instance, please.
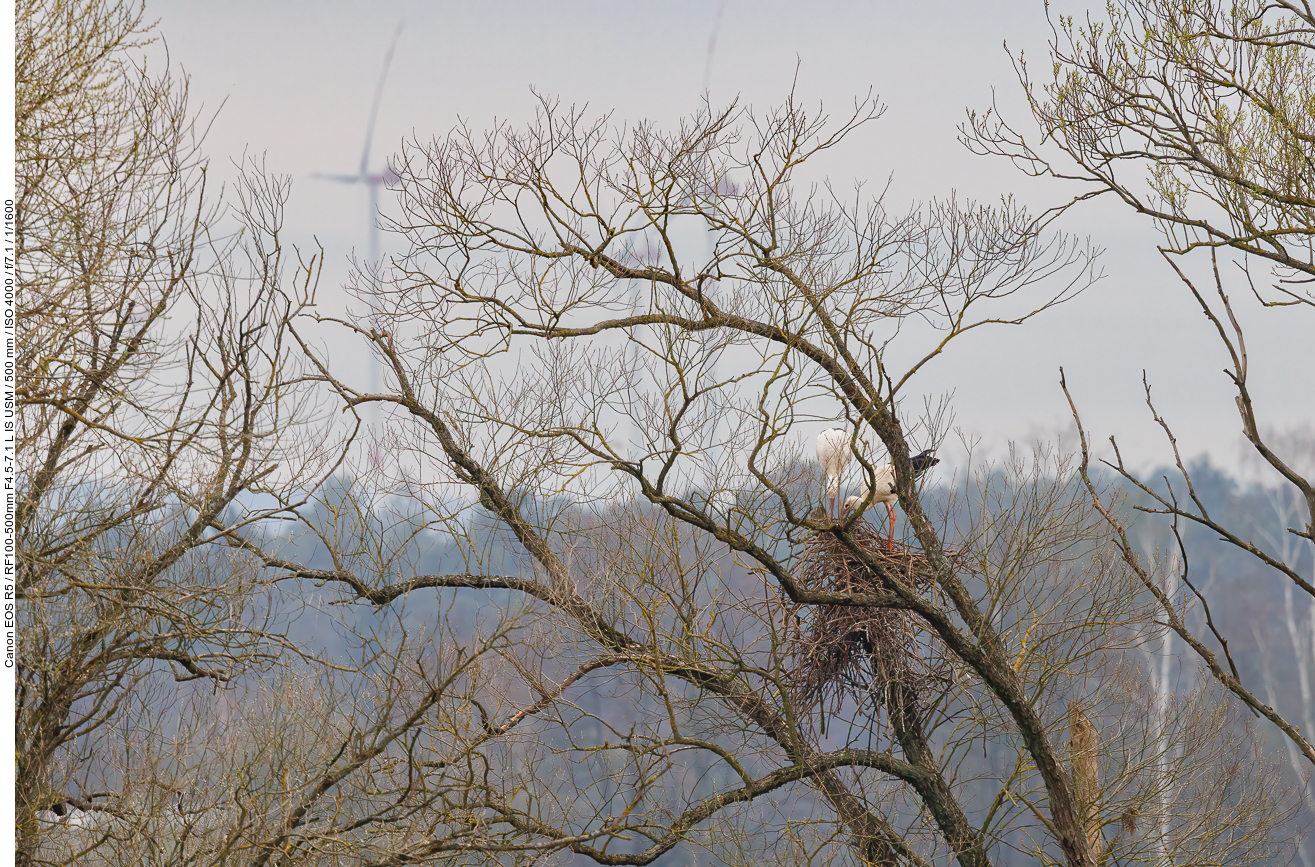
(883, 487)
(833, 453)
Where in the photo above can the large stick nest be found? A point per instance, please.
(847, 651)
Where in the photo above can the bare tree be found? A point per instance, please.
(568, 364)
(155, 399)
(639, 634)
(162, 412)
(1193, 114)
(1198, 116)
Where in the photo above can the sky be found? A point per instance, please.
(292, 82)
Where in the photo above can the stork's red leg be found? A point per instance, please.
(890, 513)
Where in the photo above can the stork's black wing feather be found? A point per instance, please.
(924, 462)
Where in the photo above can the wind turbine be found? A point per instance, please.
(363, 175)
(372, 183)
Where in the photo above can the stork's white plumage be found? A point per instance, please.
(883, 483)
(883, 487)
(833, 453)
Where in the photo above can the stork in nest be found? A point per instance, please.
(883, 487)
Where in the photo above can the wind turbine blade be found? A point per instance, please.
(378, 95)
(342, 179)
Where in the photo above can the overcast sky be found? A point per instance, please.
(295, 80)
